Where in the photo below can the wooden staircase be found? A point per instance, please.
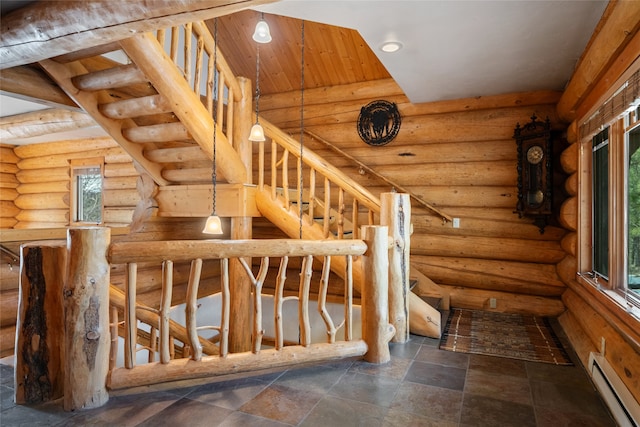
(152, 105)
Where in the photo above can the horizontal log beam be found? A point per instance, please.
(32, 84)
(232, 200)
(44, 122)
(213, 366)
(184, 250)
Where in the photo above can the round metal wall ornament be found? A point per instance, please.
(379, 122)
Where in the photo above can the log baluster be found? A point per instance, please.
(211, 73)
(340, 213)
(354, 219)
(226, 307)
(322, 301)
(198, 67)
(285, 177)
(192, 308)
(278, 300)
(326, 219)
(187, 51)
(257, 283)
(130, 320)
(312, 195)
(348, 298)
(274, 174)
(166, 341)
(175, 38)
(303, 300)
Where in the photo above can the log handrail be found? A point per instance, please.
(392, 183)
(320, 165)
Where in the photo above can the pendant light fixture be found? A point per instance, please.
(213, 224)
(257, 132)
(262, 33)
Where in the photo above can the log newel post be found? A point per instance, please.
(38, 369)
(241, 228)
(86, 318)
(395, 213)
(376, 329)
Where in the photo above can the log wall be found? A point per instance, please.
(44, 183)
(8, 185)
(459, 156)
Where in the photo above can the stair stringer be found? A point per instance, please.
(423, 319)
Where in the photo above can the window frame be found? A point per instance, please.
(74, 166)
(611, 291)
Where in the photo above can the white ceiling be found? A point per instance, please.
(451, 49)
(459, 49)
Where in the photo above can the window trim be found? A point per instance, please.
(75, 164)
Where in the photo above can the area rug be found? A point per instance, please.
(516, 336)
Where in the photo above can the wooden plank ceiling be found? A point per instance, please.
(333, 55)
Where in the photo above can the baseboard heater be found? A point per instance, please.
(623, 406)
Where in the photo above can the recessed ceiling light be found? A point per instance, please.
(391, 47)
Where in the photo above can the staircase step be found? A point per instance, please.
(125, 75)
(165, 132)
(136, 107)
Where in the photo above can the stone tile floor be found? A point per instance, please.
(421, 386)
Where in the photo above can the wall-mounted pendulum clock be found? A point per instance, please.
(534, 171)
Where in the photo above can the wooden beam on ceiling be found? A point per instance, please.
(32, 84)
(43, 122)
(47, 29)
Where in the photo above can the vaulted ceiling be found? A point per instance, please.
(451, 49)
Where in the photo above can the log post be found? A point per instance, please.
(376, 329)
(86, 318)
(240, 298)
(40, 329)
(395, 213)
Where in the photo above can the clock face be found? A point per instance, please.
(535, 154)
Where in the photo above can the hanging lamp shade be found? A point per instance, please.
(257, 133)
(262, 33)
(213, 225)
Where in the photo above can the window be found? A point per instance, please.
(633, 209)
(609, 252)
(86, 191)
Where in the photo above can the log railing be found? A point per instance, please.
(89, 337)
(193, 50)
(338, 203)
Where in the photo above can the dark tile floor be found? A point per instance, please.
(421, 386)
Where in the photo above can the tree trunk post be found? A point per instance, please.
(376, 329)
(241, 228)
(86, 318)
(40, 326)
(395, 213)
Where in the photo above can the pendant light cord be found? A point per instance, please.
(301, 124)
(257, 79)
(215, 105)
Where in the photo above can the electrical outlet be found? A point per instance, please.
(492, 303)
(456, 222)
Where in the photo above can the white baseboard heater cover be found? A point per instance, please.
(624, 408)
